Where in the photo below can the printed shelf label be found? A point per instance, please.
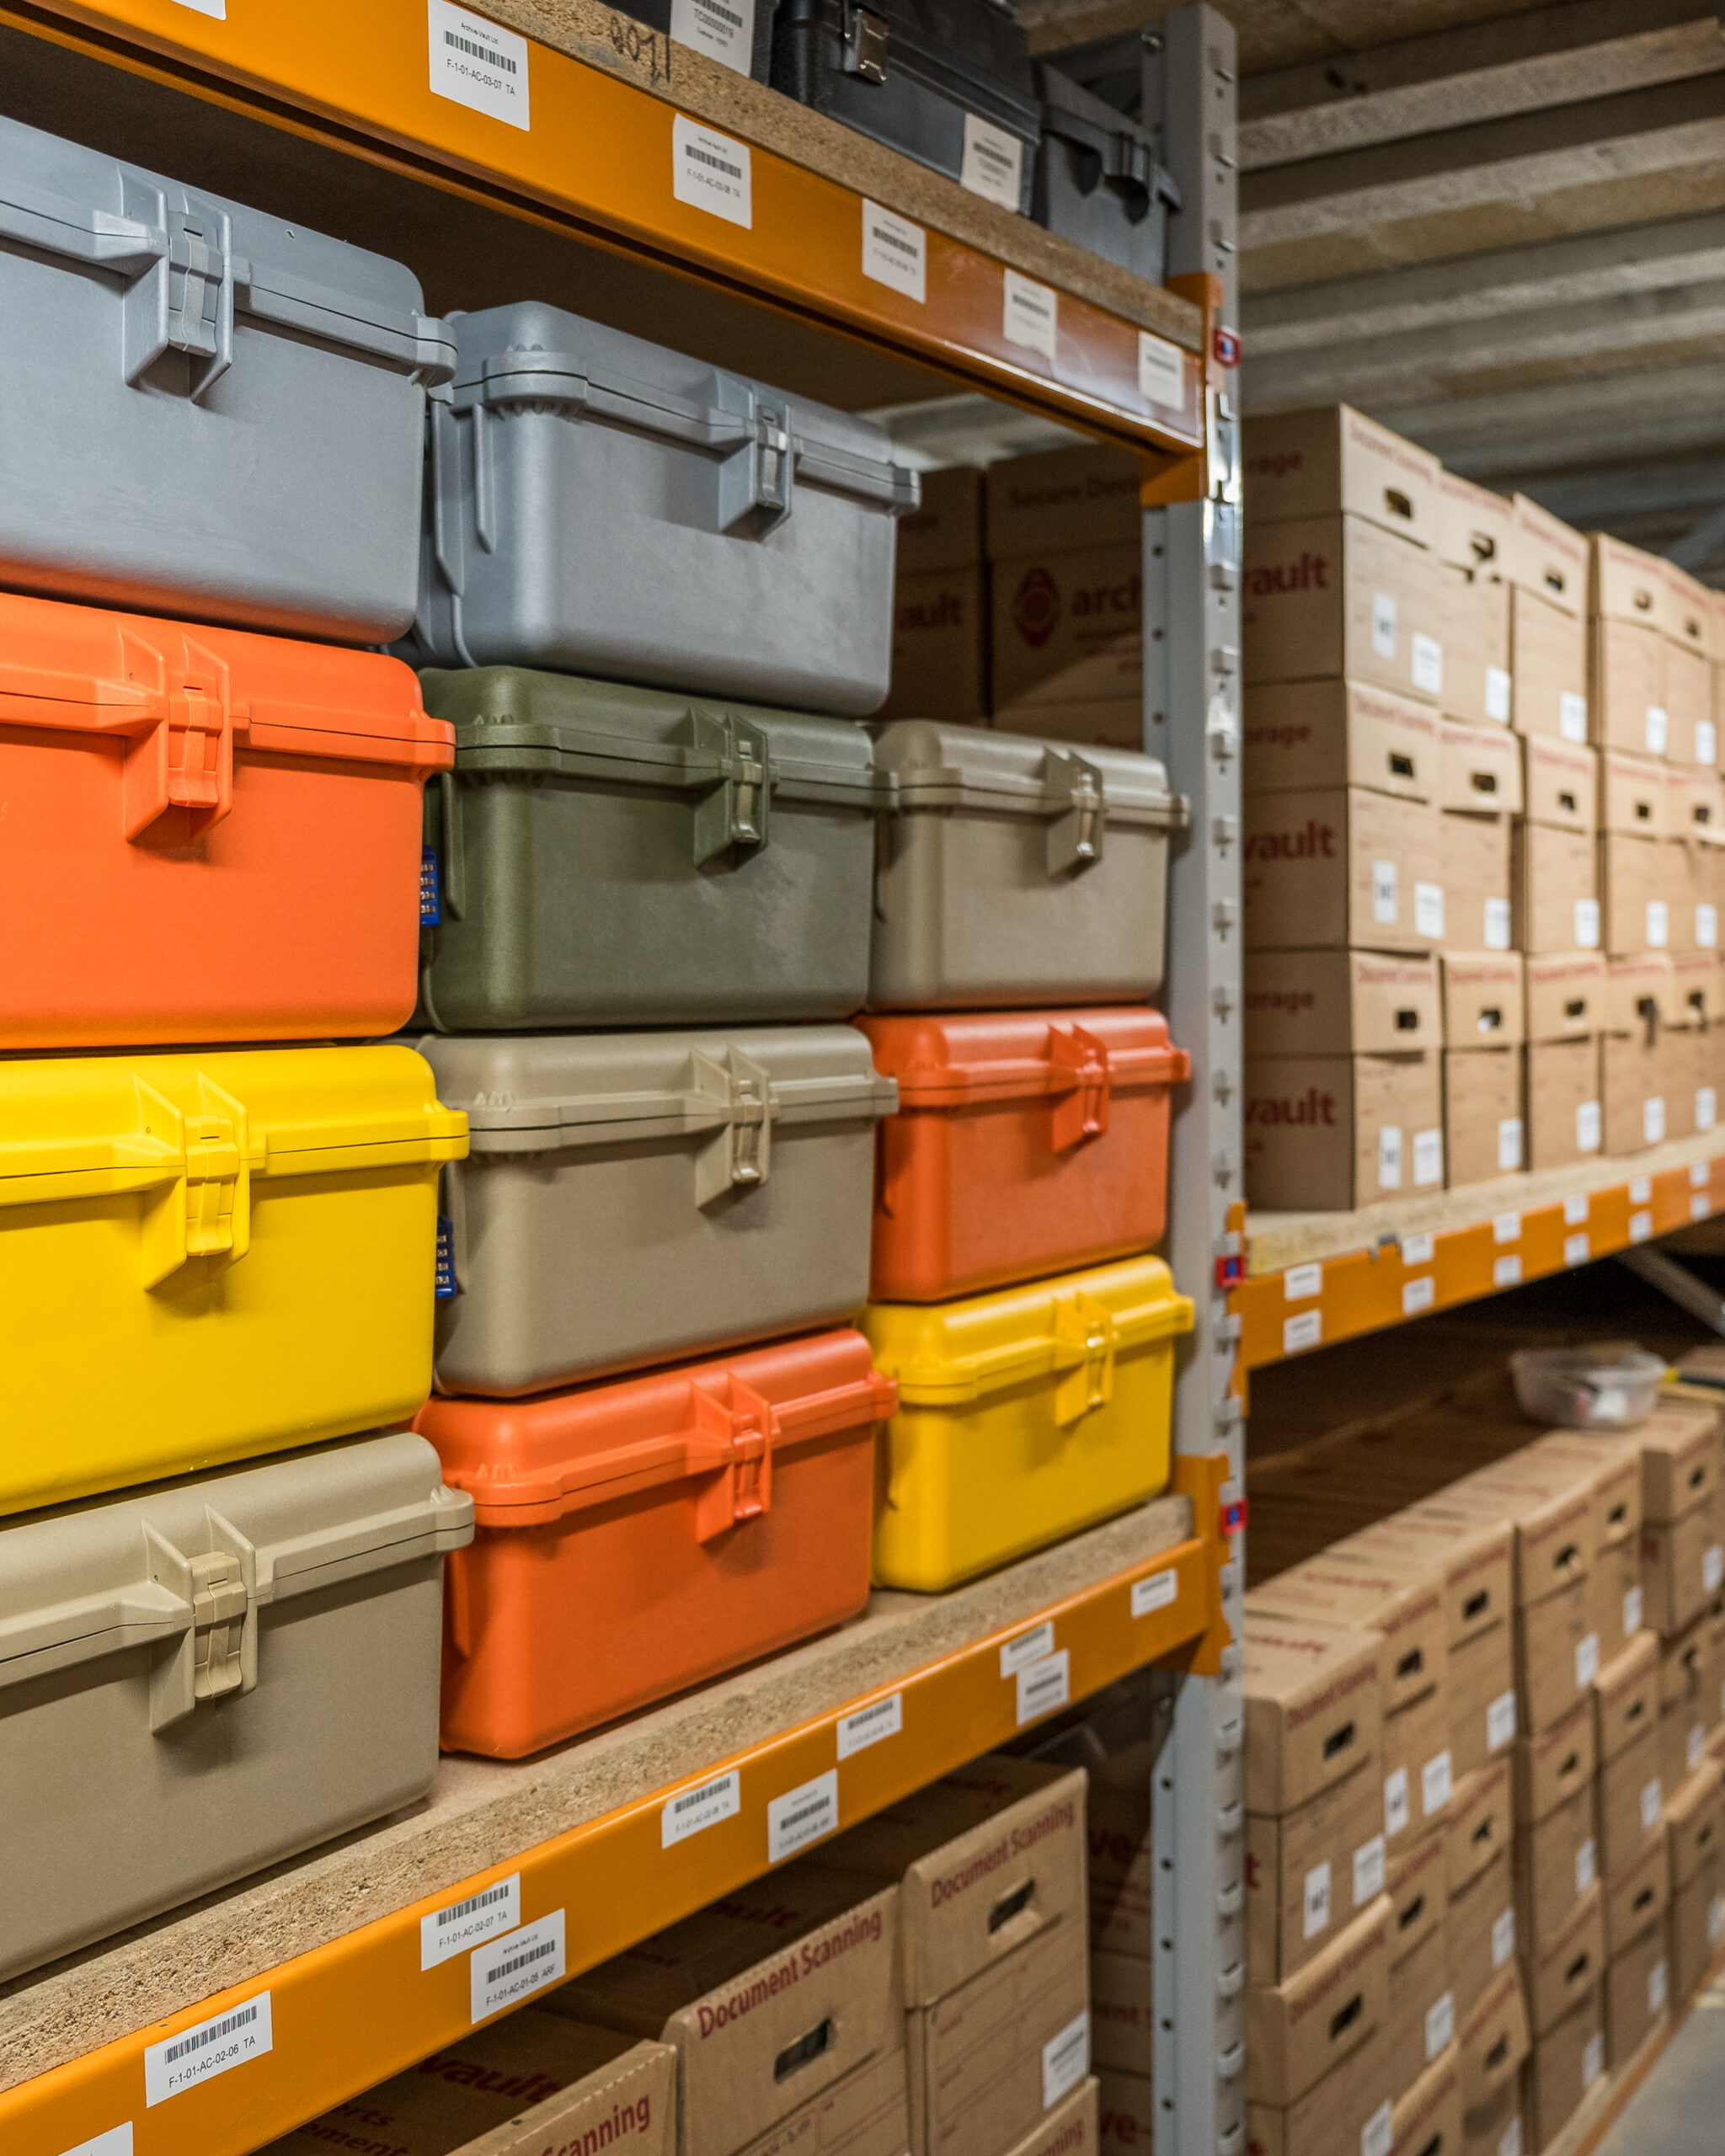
(723, 29)
(1506, 1271)
(448, 1932)
(1156, 1592)
(218, 12)
(894, 252)
(477, 64)
(1044, 1686)
(1417, 1295)
(1300, 1282)
(1029, 1647)
(215, 2046)
(1031, 316)
(801, 1816)
(1306, 1331)
(514, 1967)
(691, 1810)
(710, 172)
(991, 163)
(1161, 372)
(1418, 1250)
(116, 2142)
(870, 1725)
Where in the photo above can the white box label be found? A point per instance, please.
(1044, 1686)
(1316, 1901)
(1506, 1271)
(1440, 2025)
(1396, 1809)
(894, 252)
(1161, 372)
(1706, 927)
(1706, 742)
(1383, 893)
(1658, 725)
(712, 172)
(1427, 656)
(1652, 1120)
(117, 2141)
(1383, 624)
(1496, 924)
(691, 1809)
(1715, 1924)
(1585, 1866)
(723, 29)
(1368, 1870)
(1377, 2137)
(1510, 2141)
(1032, 315)
(1029, 1646)
(1593, 2059)
(1429, 909)
(1300, 1282)
(1659, 924)
(1436, 1780)
(1695, 1744)
(1417, 1295)
(1631, 1621)
(477, 64)
(1509, 1142)
(1156, 1592)
(1587, 924)
(462, 1925)
(1656, 1989)
(993, 165)
(1707, 1107)
(1500, 1721)
(1390, 1171)
(513, 1968)
(1653, 1796)
(1418, 1250)
(1503, 1937)
(1428, 1158)
(1576, 1249)
(1589, 1126)
(1587, 1661)
(871, 1725)
(1712, 1568)
(1497, 694)
(1305, 1330)
(1571, 716)
(1065, 2061)
(801, 1816)
(211, 2047)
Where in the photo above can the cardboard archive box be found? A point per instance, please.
(1556, 1659)
(1476, 528)
(1473, 627)
(1548, 640)
(1337, 597)
(1483, 1135)
(1554, 888)
(1688, 1680)
(1297, 2031)
(1634, 907)
(1482, 1931)
(940, 605)
(1695, 1927)
(1303, 736)
(1681, 1565)
(1331, 1132)
(1565, 2063)
(1695, 1821)
(1326, 1003)
(1631, 1799)
(1614, 1587)
(868, 2113)
(1332, 461)
(1473, 866)
(1428, 2119)
(1420, 2018)
(1340, 868)
(1689, 624)
(1562, 1116)
(1638, 1898)
(1479, 767)
(1556, 1860)
(1419, 1768)
(1353, 2108)
(1559, 783)
(1498, 2126)
(1637, 1995)
(1125, 2113)
(1568, 1965)
(1556, 1762)
(1484, 999)
(1625, 1695)
(1483, 1715)
(1313, 1710)
(1121, 2014)
(1495, 2037)
(1479, 1827)
(1634, 1066)
(1627, 607)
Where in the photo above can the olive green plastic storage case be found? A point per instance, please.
(203, 1676)
(622, 857)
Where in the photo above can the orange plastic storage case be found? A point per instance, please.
(209, 835)
(636, 1537)
(1027, 1142)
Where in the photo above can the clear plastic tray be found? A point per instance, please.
(1608, 1385)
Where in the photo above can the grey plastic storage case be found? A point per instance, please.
(1099, 182)
(1015, 871)
(618, 856)
(631, 1198)
(598, 504)
(201, 1677)
(211, 412)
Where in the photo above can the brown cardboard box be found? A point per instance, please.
(1482, 1126)
(1614, 1587)
(1695, 1821)
(867, 2114)
(1695, 803)
(1330, 1133)
(1692, 1075)
(1330, 597)
(1689, 701)
(517, 2087)
(1496, 2128)
(1548, 666)
(1420, 2020)
(1297, 2031)
(1473, 627)
(1559, 783)
(1126, 2113)
(1683, 1746)
(1626, 687)
(1350, 2109)
(1556, 1860)
(1688, 1683)
(940, 646)
(1407, 1614)
(705, 1987)
(1638, 1898)
(1556, 1659)
(944, 532)
(1695, 1928)
(1634, 912)
(1554, 889)
(1697, 978)
(1632, 796)
(1120, 1872)
(1680, 1567)
(989, 2060)
(1418, 1892)
(1428, 2119)
(1061, 501)
(1549, 556)
(1687, 619)
(1633, 1071)
(1551, 1766)
(1565, 996)
(1482, 1931)
(1302, 735)
(1476, 530)
(1480, 1823)
(1549, 1505)
(1482, 1707)
(1625, 585)
(1121, 2013)
(1116, 723)
(1564, 1119)
(1308, 1872)
(1681, 1458)
(1418, 1767)
(1067, 627)
(1631, 1796)
(1566, 2063)
(1479, 767)
(1473, 854)
(1626, 1695)
(1472, 1557)
(1495, 2037)
(1313, 1710)
(1072, 2128)
(1614, 1465)
(1339, 869)
(1638, 991)
(1333, 459)
(1568, 1965)
(1325, 1003)
(1637, 1996)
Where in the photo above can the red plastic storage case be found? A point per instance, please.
(208, 836)
(1027, 1142)
(636, 1537)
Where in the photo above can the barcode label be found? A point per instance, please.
(1029, 1646)
(212, 2048)
(117, 2141)
(1305, 1330)
(1031, 315)
(992, 164)
(1161, 372)
(218, 12)
(801, 1816)
(1417, 1295)
(710, 172)
(514, 1967)
(451, 1931)
(1156, 1592)
(869, 1724)
(1044, 1686)
(1300, 1282)
(894, 252)
(476, 63)
(1506, 1271)
(1065, 2061)
(691, 1810)
(1576, 1249)
(723, 29)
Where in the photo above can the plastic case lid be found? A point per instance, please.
(539, 1092)
(967, 767)
(944, 1354)
(528, 1461)
(947, 1060)
(83, 1580)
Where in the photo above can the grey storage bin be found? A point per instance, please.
(203, 1676)
(631, 1198)
(618, 856)
(212, 413)
(1098, 181)
(1015, 871)
(598, 504)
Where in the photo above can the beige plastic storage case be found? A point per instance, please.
(1016, 871)
(201, 1677)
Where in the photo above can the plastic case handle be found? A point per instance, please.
(735, 1444)
(1079, 1062)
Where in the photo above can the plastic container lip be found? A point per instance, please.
(1609, 1386)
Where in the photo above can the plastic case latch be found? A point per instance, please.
(1079, 1060)
(742, 1435)
(866, 39)
(1084, 1336)
(736, 815)
(738, 1156)
(1074, 837)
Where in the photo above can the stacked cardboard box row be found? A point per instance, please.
(1546, 1641)
(1457, 769)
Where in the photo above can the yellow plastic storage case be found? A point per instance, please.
(1023, 1415)
(208, 1255)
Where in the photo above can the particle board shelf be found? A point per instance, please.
(1313, 1278)
(609, 155)
(334, 1939)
